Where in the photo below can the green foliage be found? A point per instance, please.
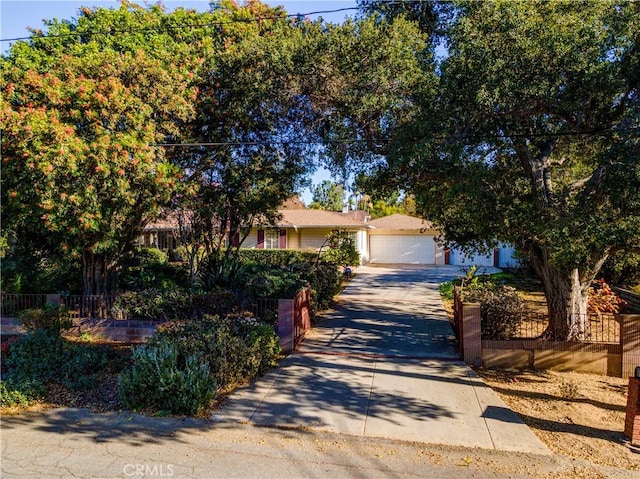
(43, 356)
(446, 289)
(150, 268)
(276, 257)
(325, 281)
(269, 282)
(532, 138)
(622, 269)
(36, 357)
(174, 304)
(501, 308)
(235, 348)
(52, 318)
(20, 394)
(163, 379)
(328, 196)
(340, 249)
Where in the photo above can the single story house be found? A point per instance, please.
(394, 239)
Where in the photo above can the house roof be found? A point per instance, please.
(318, 219)
(401, 222)
(291, 218)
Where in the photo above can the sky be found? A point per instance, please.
(17, 15)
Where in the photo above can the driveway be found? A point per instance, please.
(384, 364)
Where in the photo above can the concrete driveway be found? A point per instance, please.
(385, 364)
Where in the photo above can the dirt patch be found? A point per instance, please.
(577, 415)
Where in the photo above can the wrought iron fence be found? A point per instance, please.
(599, 328)
(11, 304)
(102, 307)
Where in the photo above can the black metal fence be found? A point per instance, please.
(103, 307)
(599, 328)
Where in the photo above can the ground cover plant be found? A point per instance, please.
(35, 363)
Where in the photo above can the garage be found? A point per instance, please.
(460, 258)
(401, 249)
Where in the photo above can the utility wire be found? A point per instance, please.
(211, 24)
(388, 140)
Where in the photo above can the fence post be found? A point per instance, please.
(471, 339)
(630, 340)
(285, 325)
(54, 298)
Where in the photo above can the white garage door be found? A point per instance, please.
(410, 249)
(460, 258)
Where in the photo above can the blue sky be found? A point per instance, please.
(17, 15)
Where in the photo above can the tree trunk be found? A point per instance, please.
(557, 293)
(99, 274)
(567, 298)
(579, 326)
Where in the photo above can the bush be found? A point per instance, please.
(325, 281)
(21, 394)
(149, 268)
(501, 309)
(53, 319)
(341, 249)
(175, 305)
(164, 379)
(40, 357)
(276, 257)
(269, 282)
(36, 357)
(235, 348)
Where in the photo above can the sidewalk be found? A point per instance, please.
(384, 364)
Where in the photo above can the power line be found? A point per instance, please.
(389, 140)
(179, 27)
(210, 24)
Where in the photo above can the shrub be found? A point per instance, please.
(501, 309)
(164, 379)
(150, 268)
(20, 394)
(36, 357)
(325, 281)
(276, 257)
(235, 348)
(174, 305)
(446, 290)
(341, 249)
(52, 318)
(40, 357)
(270, 283)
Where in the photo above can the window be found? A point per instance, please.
(271, 239)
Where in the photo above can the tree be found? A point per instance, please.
(328, 196)
(534, 141)
(249, 108)
(80, 116)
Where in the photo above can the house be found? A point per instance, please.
(305, 229)
(394, 239)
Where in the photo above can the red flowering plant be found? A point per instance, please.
(602, 299)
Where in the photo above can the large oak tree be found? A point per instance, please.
(534, 140)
